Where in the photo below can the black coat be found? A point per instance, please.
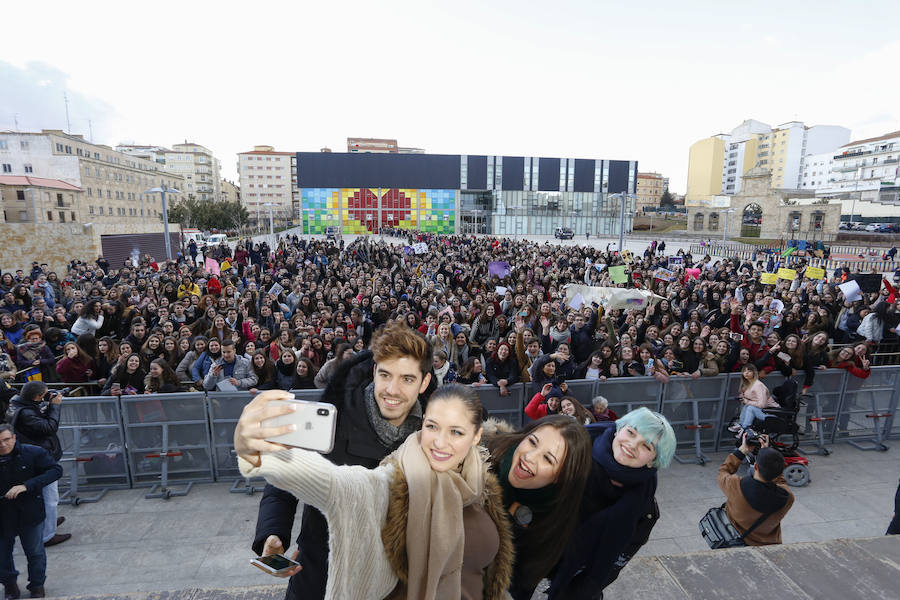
(356, 443)
(32, 467)
(36, 424)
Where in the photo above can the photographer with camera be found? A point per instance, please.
(764, 492)
(34, 416)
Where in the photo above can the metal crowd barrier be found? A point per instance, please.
(168, 439)
(93, 444)
(152, 440)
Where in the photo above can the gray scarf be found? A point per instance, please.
(388, 435)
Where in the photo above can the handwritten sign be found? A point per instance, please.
(768, 278)
(664, 274)
(789, 274)
(617, 274)
(815, 273)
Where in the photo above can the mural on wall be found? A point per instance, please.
(365, 210)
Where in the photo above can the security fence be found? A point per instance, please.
(158, 440)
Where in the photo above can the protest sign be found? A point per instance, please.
(500, 290)
(676, 261)
(611, 297)
(212, 266)
(869, 283)
(600, 267)
(617, 274)
(577, 302)
(814, 273)
(789, 274)
(664, 274)
(498, 268)
(768, 278)
(851, 291)
(627, 256)
(420, 248)
(276, 289)
(789, 251)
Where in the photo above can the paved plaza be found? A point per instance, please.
(127, 544)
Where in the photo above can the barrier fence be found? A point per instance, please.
(156, 440)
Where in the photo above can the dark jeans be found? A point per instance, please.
(33, 545)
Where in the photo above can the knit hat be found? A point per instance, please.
(555, 392)
(32, 329)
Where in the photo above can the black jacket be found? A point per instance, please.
(36, 423)
(32, 467)
(356, 443)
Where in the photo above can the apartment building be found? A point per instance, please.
(268, 180)
(650, 188)
(199, 168)
(784, 150)
(114, 184)
(378, 146)
(230, 191)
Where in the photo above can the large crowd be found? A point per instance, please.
(389, 329)
(264, 318)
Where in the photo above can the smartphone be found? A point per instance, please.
(274, 564)
(737, 337)
(315, 421)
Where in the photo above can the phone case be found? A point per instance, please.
(315, 421)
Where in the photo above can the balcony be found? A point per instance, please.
(853, 155)
(890, 161)
(846, 168)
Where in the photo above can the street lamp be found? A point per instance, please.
(271, 224)
(725, 231)
(163, 190)
(622, 196)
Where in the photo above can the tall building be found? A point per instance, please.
(783, 150)
(269, 178)
(379, 146)
(503, 195)
(114, 184)
(199, 168)
(650, 188)
(866, 170)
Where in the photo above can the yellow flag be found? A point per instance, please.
(815, 273)
(768, 278)
(789, 274)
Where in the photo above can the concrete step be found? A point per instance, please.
(865, 568)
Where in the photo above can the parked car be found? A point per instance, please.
(563, 233)
(873, 226)
(845, 226)
(216, 239)
(887, 228)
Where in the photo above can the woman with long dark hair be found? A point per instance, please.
(161, 379)
(304, 375)
(542, 469)
(75, 366)
(264, 369)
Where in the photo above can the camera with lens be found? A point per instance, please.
(753, 440)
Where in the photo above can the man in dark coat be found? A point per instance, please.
(25, 470)
(380, 398)
(36, 422)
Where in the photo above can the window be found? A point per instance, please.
(109, 193)
(23, 144)
(698, 221)
(90, 210)
(62, 217)
(49, 215)
(7, 168)
(20, 195)
(28, 168)
(68, 149)
(4, 145)
(59, 147)
(101, 210)
(73, 216)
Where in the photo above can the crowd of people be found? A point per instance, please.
(308, 314)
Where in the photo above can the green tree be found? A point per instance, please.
(225, 215)
(667, 199)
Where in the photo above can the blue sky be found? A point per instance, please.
(625, 80)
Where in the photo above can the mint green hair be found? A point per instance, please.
(656, 429)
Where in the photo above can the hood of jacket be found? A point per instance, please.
(765, 497)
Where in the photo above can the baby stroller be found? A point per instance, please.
(781, 426)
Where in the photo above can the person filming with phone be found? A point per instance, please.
(378, 395)
(34, 416)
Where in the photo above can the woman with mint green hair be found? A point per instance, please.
(618, 508)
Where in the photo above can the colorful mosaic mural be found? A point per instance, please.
(361, 210)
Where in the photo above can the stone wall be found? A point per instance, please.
(58, 243)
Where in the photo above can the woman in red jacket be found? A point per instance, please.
(76, 366)
(546, 402)
(848, 358)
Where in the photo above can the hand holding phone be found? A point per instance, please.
(276, 564)
(313, 425)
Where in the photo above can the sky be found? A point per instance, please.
(590, 79)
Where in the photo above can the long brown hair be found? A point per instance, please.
(540, 545)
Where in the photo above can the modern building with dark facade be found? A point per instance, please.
(452, 193)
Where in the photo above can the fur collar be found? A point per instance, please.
(393, 536)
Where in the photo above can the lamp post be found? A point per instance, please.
(162, 189)
(622, 196)
(271, 224)
(725, 231)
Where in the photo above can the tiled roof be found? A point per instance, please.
(37, 182)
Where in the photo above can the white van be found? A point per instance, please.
(216, 239)
(193, 234)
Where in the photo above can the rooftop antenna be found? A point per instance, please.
(91, 131)
(16, 120)
(68, 125)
